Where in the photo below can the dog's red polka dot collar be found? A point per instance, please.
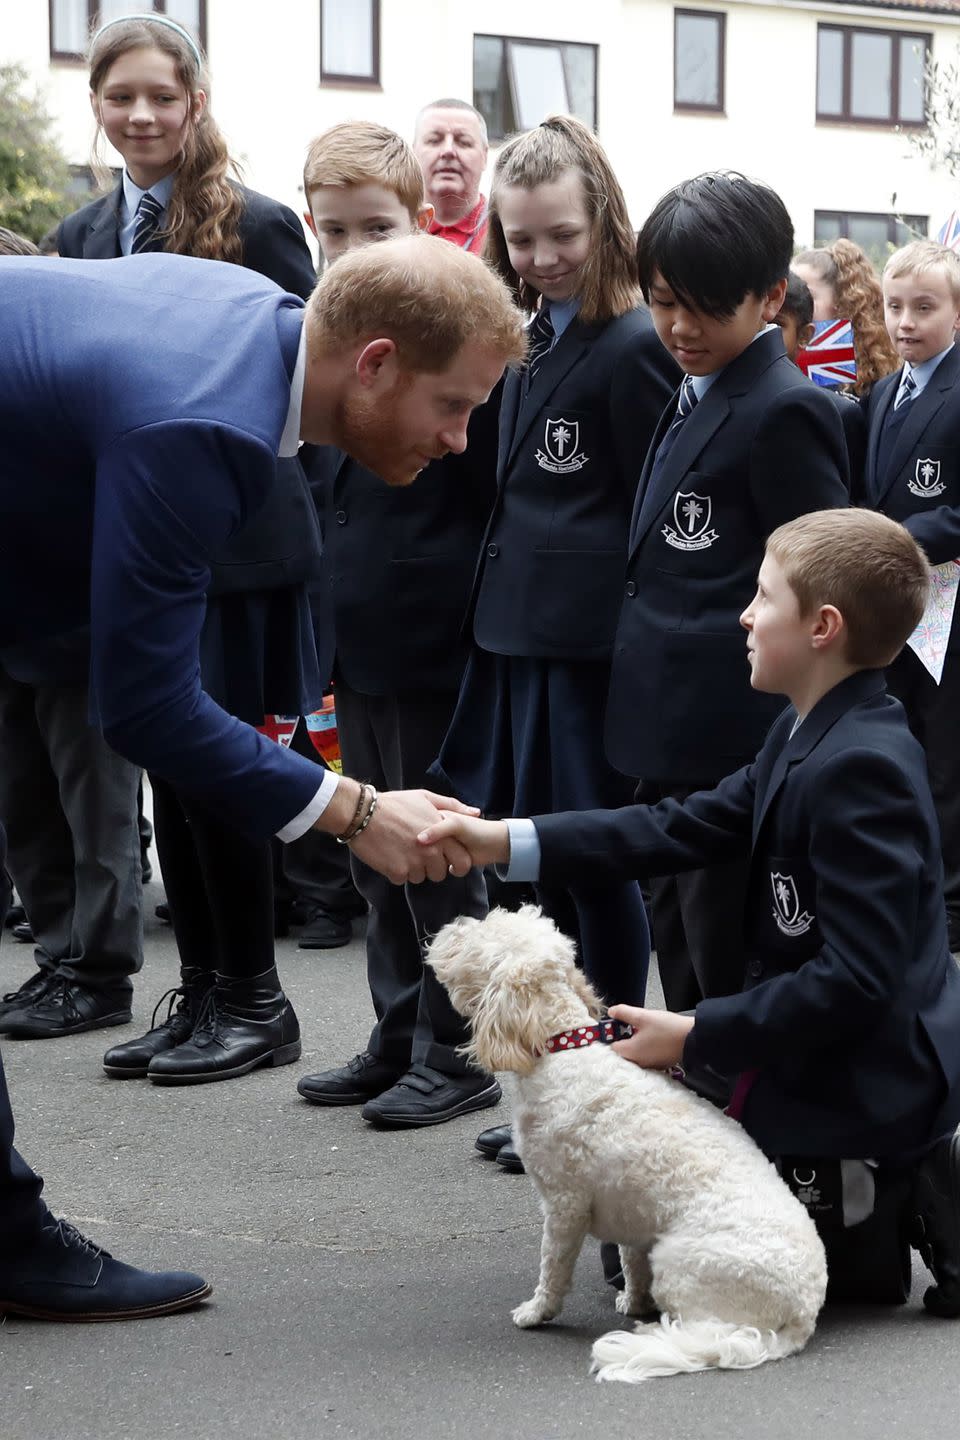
(605, 1032)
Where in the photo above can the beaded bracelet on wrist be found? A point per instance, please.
(374, 802)
(354, 826)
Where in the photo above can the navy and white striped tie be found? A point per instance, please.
(148, 223)
(687, 398)
(540, 338)
(908, 388)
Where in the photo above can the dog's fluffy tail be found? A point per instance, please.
(672, 1347)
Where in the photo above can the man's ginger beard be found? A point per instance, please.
(367, 429)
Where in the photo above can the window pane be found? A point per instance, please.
(871, 57)
(581, 81)
(829, 72)
(913, 54)
(186, 13)
(870, 232)
(910, 227)
(69, 26)
(114, 9)
(697, 69)
(539, 86)
(488, 82)
(827, 227)
(348, 37)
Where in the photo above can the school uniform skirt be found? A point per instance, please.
(258, 654)
(527, 737)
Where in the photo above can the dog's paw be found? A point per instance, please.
(532, 1312)
(634, 1305)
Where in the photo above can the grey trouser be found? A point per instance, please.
(70, 807)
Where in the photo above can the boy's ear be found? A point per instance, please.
(307, 215)
(829, 628)
(805, 334)
(773, 300)
(424, 217)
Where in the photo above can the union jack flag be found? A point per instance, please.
(279, 728)
(830, 359)
(949, 232)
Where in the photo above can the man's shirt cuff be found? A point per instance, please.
(301, 823)
(524, 861)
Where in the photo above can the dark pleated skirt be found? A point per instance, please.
(527, 737)
(258, 655)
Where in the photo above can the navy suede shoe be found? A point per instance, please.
(58, 1274)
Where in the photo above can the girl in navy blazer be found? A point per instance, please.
(258, 657)
(574, 431)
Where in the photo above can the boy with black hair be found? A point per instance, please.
(746, 445)
(841, 1054)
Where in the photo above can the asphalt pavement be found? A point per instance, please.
(363, 1280)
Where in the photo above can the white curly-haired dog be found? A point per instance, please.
(709, 1234)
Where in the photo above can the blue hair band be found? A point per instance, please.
(155, 19)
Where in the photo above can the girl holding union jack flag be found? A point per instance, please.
(845, 286)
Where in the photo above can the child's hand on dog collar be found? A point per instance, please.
(658, 1036)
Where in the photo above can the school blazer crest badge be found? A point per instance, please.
(786, 906)
(691, 522)
(926, 480)
(561, 453)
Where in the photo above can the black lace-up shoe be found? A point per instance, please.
(244, 1023)
(355, 1083)
(67, 1008)
(29, 992)
(424, 1096)
(58, 1274)
(184, 1005)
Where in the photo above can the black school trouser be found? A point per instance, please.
(314, 867)
(868, 1262)
(219, 887)
(391, 740)
(932, 713)
(697, 923)
(21, 1208)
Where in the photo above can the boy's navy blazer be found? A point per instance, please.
(762, 447)
(919, 484)
(851, 1006)
(570, 455)
(282, 548)
(853, 418)
(141, 410)
(398, 562)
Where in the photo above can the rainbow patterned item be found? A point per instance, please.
(322, 729)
